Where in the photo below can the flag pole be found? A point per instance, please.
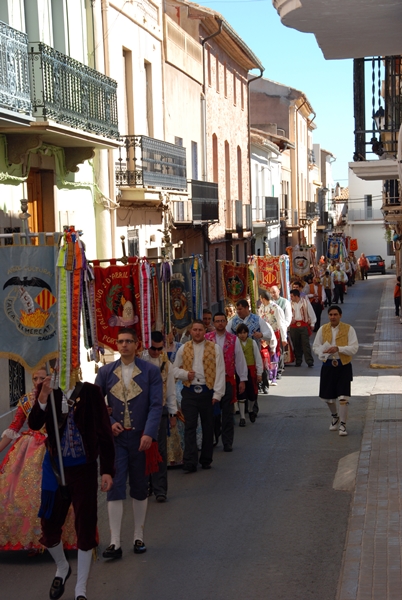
(56, 433)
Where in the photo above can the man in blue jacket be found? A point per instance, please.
(134, 393)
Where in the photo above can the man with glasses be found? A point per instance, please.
(158, 357)
(134, 393)
(234, 363)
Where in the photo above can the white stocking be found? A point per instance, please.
(115, 511)
(332, 407)
(242, 409)
(57, 553)
(84, 564)
(140, 512)
(343, 408)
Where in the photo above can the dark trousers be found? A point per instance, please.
(82, 492)
(224, 422)
(159, 481)
(317, 308)
(192, 405)
(338, 293)
(129, 461)
(397, 305)
(301, 345)
(328, 294)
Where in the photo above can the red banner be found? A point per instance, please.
(235, 278)
(268, 271)
(117, 301)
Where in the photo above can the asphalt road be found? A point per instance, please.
(263, 523)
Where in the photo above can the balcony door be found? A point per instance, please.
(40, 188)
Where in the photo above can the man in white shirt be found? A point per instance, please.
(335, 344)
(200, 365)
(284, 304)
(158, 357)
(301, 326)
(234, 363)
(339, 279)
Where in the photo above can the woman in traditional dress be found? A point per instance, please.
(20, 481)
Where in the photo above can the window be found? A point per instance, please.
(234, 88)
(194, 160)
(239, 175)
(245, 253)
(148, 99)
(227, 170)
(217, 75)
(128, 92)
(215, 158)
(238, 253)
(368, 200)
(225, 80)
(178, 141)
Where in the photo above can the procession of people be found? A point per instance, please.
(166, 403)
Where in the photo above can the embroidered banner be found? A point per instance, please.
(301, 261)
(268, 271)
(117, 301)
(180, 295)
(235, 281)
(28, 301)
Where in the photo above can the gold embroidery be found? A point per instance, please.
(124, 394)
(341, 339)
(208, 361)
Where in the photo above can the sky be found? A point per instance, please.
(295, 59)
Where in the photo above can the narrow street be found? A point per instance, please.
(264, 523)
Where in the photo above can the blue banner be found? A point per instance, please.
(28, 302)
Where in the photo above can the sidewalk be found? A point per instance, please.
(372, 561)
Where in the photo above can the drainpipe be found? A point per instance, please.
(204, 159)
(249, 147)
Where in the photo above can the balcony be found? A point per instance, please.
(384, 104)
(205, 200)
(364, 214)
(48, 97)
(68, 92)
(266, 210)
(145, 162)
(15, 90)
(310, 211)
(311, 158)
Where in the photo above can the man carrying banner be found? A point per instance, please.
(158, 357)
(234, 363)
(85, 433)
(134, 393)
(200, 365)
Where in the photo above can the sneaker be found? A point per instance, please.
(273, 383)
(334, 424)
(242, 423)
(342, 429)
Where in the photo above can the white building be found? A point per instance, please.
(365, 221)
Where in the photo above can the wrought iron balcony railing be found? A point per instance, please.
(385, 106)
(146, 162)
(271, 209)
(391, 194)
(68, 92)
(309, 211)
(205, 200)
(15, 91)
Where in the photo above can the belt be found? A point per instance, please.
(333, 362)
(198, 389)
(299, 324)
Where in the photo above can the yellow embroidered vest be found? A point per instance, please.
(341, 339)
(208, 361)
(248, 351)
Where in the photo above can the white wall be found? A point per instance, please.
(370, 233)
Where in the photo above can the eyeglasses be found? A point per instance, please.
(156, 349)
(125, 342)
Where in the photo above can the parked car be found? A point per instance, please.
(377, 264)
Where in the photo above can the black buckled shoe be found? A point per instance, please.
(81, 597)
(139, 547)
(57, 587)
(112, 552)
